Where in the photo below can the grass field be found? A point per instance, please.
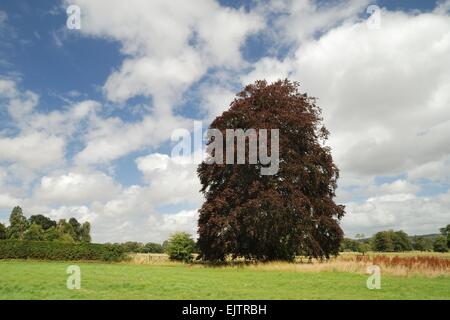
(47, 280)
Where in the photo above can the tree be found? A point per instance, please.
(422, 244)
(34, 233)
(152, 247)
(18, 224)
(364, 247)
(43, 221)
(53, 234)
(132, 246)
(271, 217)
(440, 244)
(349, 245)
(65, 227)
(389, 241)
(76, 227)
(164, 245)
(180, 247)
(3, 232)
(382, 241)
(401, 241)
(446, 233)
(85, 232)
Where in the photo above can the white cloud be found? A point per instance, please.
(171, 180)
(185, 220)
(294, 22)
(215, 99)
(179, 44)
(62, 123)
(269, 69)
(111, 138)
(7, 201)
(382, 122)
(396, 187)
(76, 188)
(407, 212)
(81, 213)
(33, 150)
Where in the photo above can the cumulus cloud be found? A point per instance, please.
(7, 201)
(179, 44)
(408, 212)
(383, 123)
(164, 175)
(111, 138)
(33, 150)
(76, 188)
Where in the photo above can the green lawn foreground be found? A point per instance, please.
(47, 280)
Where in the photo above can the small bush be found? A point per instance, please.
(180, 247)
(44, 250)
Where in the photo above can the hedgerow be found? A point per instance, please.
(43, 250)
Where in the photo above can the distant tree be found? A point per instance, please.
(401, 241)
(65, 227)
(382, 241)
(3, 232)
(76, 226)
(446, 233)
(34, 233)
(180, 247)
(349, 245)
(152, 247)
(43, 221)
(18, 224)
(422, 244)
(364, 247)
(85, 232)
(132, 246)
(360, 236)
(164, 245)
(440, 244)
(390, 241)
(272, 217)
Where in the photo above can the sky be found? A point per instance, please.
(87, 115)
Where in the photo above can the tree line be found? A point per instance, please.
(42, 228)
(398, 241)
(179, 246)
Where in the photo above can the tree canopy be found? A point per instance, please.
(41, 228)
(272, 217)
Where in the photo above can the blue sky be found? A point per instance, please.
(114, 157)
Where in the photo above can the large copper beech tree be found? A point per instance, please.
(272, 217)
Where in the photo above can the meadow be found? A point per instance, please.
(153, 277)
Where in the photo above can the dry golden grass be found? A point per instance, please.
(149, 258)
(399, 264)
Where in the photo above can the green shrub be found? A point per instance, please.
(44, 250)
(440, 244)
(180, 247)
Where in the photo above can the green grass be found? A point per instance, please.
(47, 280)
